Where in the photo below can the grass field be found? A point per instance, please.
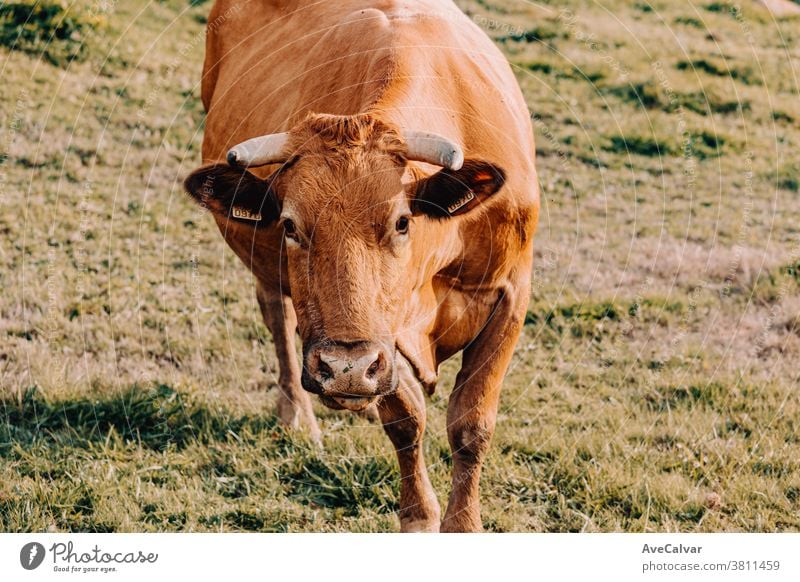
(656, 386)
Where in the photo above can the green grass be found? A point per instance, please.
(54, 29)
(654, 387)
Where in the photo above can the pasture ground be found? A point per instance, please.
(655, 387)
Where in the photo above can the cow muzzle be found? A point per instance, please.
(349, 375)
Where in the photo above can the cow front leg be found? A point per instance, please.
(294, 403)
(370, 413)
(403, 416)
(472, 409)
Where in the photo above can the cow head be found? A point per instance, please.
(351, 213)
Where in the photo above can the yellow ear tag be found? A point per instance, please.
(245, 214)
(461, 202)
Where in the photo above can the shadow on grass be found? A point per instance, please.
(156, 418)
(52, 439)
(346, 484)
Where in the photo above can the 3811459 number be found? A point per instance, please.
(752, 565)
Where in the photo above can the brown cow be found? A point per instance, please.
(385, 198)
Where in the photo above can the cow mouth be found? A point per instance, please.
(352, 403)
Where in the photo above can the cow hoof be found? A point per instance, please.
(311, 432)
(297, 420)
(453, 526)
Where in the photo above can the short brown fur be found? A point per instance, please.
(347, 79)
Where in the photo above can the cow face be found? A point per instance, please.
(349, 219)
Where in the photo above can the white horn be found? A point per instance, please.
(433, 149)
(259, 151)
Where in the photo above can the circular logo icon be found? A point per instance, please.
(31, 555)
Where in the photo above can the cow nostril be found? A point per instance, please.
(375, 367)
(324, 371)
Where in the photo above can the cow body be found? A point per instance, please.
(415, 64)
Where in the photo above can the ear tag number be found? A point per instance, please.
(460, 203)
(245, 214)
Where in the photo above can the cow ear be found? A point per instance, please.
(453, 192)
(233, 193)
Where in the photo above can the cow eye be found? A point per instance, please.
(401, 226)
(290, 229)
